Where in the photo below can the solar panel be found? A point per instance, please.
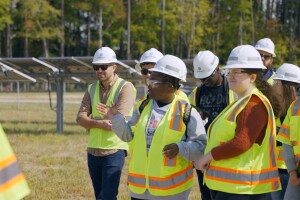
(69, 69)
(9, 74)
(81, 67)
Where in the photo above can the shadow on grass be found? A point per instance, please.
(40, 127)
(35, 122)
(41, 132)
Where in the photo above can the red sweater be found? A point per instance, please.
(251, 127)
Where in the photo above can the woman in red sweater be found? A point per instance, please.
(239, 160)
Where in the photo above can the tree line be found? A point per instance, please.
(45, 28)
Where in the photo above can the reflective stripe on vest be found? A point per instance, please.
(137, 180)
(242, 176)
(176, 122)
(12, 181)
(172, 181)
(162, 183)
(296, 109)
(237, 109)
(284, 131)
(289, 132)
(152, 171)
(9, 172)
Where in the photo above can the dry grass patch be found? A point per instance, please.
(54, 164)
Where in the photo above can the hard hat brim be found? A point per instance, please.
(157, 70)
(285, 79)
(205, 75)
(244, 66)
(266, 50)
(104, 62)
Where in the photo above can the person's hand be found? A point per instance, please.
(105, 124)
(294, 178)
(107, 111)
(170, 150)
(203, 163)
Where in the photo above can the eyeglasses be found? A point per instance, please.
(235, 73)
(102, 67)
(209, 77)
(145, 71)
(265, 57)
(146, 63)
(155, 83)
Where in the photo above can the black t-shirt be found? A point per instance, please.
(212, 100)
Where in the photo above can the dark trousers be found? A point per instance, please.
(105, 172)
(204, 190)
(217, 195)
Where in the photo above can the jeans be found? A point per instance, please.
(105, 172)
(217, 195)
(279, 195)
(204, 190)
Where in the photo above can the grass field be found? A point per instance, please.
(54, 163)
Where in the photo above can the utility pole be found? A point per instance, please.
(100, 27)
(62, 44)
(163, 24)
(128, 29)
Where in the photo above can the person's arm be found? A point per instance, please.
(290, 161)
(83, 116)
(123, 128)
(126, 100)
(194, 145)
(289, 158)
(251, 126)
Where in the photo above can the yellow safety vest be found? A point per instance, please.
(99, 138)
(289, 132)
(271, 80)
(161, 176)
(254, 171)
(280, 159)
(13, 185)
(182, 95)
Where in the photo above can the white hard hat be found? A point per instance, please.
(288, 72)
(104, 55)
(266, 45)
(205, 62)
(244, 56)
(172, 66)
(151, 56)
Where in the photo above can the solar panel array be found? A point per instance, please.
(60, 70)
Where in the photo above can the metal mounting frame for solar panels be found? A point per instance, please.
(10, 74)
(81, 67)
(42, 71)
(31, 67)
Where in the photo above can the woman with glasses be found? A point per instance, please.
(163, 144)
(239, 160)
(286, 82)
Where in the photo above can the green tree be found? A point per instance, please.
(5, 18)
(40, 22)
